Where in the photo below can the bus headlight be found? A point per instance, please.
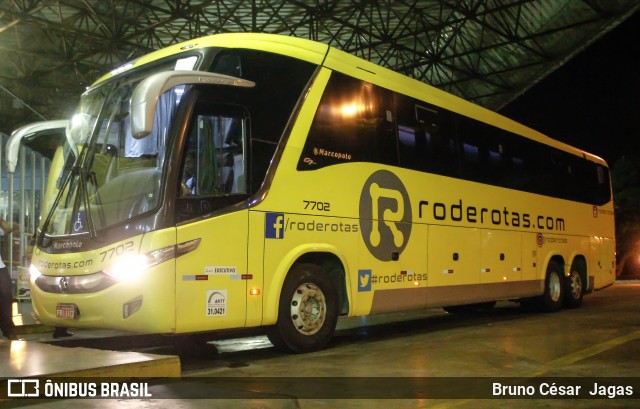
(129, 267)
(34, 272)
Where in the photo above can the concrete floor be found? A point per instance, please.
(428, 358)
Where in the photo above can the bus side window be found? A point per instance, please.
(355, 122)
(214, 162)
(228, 63)
(474, 150)
(424, 137)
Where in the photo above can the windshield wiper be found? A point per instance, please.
(76, 170)
(45, 226)
(84, 193)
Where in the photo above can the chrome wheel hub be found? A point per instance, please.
(576, 286)
(554, 287)
(308, 309)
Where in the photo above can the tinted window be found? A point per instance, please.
(280, 82)
(493, 156)
(354, 123)
(357, 121)
(425, 137)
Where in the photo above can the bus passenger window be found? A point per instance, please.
(427, 117)
(354, 123)
(425, 140)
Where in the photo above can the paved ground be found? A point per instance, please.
(419, 359)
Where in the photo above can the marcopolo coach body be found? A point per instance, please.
(256, 180)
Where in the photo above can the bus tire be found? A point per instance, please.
(552, 298)
(574, 289)
(307, 312)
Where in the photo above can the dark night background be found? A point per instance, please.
(593, 103)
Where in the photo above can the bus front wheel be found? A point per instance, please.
(308, 311)
(553, 296)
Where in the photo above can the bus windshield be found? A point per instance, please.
(116, 176)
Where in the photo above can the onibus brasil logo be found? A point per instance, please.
(385, 215)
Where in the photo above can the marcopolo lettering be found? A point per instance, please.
(67, 245)
(331, 154)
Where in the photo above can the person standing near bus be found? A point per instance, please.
(6, 295)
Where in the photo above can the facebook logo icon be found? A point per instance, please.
(274, 226)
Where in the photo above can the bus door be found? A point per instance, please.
(211, 276)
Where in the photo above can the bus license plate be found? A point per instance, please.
(67, 311)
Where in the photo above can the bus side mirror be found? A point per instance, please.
(146, 94)
(29, 133)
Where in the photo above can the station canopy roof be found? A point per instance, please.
(489, 51)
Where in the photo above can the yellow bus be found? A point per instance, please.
(255, 180)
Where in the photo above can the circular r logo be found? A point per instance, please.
(385, 215)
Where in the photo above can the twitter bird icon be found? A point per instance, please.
(364, 280)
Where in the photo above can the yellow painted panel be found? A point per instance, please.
(454, 256)
(602, 263)
(210, 290)
(530, 267)
(408, 272)
(501, 256)
(289, 236)
(255, 268)
(153, 289)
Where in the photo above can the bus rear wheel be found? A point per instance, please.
(553, 296)
(574, 289)
(308, 311)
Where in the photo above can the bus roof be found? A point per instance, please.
(295, 47)
(332, 58)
